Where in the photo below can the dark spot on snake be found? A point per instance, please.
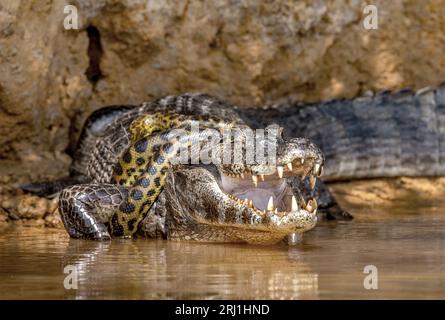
(144, 182)
(131, 224)
(136, 194)
(167, 148)
(159, 159)
(140, 161)
(152, 170)
(122, 181)
(127, 207)
(156, 148)
(141, 145)
(127, 157)
(151, 193)
(158, 182)
(118, 230)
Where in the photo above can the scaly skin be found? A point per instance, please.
(387, 134)
(143, 167)
(133, 179)
(377, 135)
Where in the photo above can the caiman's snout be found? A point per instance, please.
(256, 204)
(266, 188)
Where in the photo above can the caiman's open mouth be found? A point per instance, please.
(271, 192)
(254, 203)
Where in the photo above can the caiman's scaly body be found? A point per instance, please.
(122, 181)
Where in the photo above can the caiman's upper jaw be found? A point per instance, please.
(251, 203)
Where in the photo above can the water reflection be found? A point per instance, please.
(161, 269)
(407, 247)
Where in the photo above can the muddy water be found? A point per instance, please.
(406, 242)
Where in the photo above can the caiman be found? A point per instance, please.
(125, 179)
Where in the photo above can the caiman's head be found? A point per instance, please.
(255, 205)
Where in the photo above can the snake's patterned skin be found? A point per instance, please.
(128, 156)
(144, 165)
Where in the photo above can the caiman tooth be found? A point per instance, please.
(312, 206)
(251, 203)
(270, 204)
(276, 210)
(280, 170)
(289, 166)
(255, 180)
(302, 160)
(312, 180)
(294, 204)
(318, 169)
(262, 177)
(309, 207)
(242, 175)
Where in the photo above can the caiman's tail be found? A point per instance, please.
(382, 135)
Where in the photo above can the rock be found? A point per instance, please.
(248, 52)
(53, 220)
(31, 207)
(3, 219)
(30, 211)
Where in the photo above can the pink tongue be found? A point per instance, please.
(260, 197)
